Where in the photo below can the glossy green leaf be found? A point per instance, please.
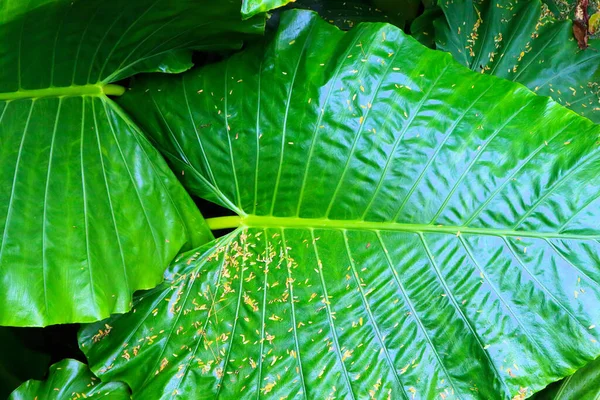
(582, 385)
(253, 7)
(407, 228)
(89, 211)
(70, 379)
(520, 41)
(344, 13)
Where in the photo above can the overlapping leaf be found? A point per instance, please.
(70, 379)
(521, 41)
(408, 228)
(582, 385)
(89, 211)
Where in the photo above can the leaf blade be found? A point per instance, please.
(481, 269)
(69, 378)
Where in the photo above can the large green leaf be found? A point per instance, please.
(520, 41)
(89, 211)
(70, 379)
(582, 385)
(407, 228)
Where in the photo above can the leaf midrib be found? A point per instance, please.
(259, 221)
(73, 90)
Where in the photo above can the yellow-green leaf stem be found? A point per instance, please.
(75, 90)
(258, 221)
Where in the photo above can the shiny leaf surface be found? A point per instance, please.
(89, 211)
(345, 13)
(522, 42)
(407, 227)
(70, 379)
(582, 385)
(254, 7)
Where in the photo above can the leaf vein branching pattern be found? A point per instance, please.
(150, 53)
(315, 134)
(532, 339)
(474, 161)
(238, 198)
(486, 31)
(123, 36)
(108, 197)
(518, 259)
(584, 207)
(138, 136)
(235, 323)
(258, 99)
(286, 115)
(54, 46)
(14, 181)
(261, 354)
(45, 207)
(215, 190)
(133, 181)
(83, 34)
(358, 134)
(336, 343)
(121, 66)
(372, 318)
(561, 255)
(190, 286)
(93, 59)
(202, 334)
(209, 170)
(390, 158)
(439, 147)
(20, 49)
(513, 32)
(84, 200)
(461, 313)
(413, 312)
(592, 156)
(571, 68)
(493, 195)
(549, 40)
(290, 287)
(293, 222)
(181, 155)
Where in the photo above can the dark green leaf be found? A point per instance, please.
(89, 211)
(345, 13)
(70, 379)
(582, 385)
(399, 10)
(408, 228)
(254, 7)
(422, 28)
(520, 41)
(18, 362)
